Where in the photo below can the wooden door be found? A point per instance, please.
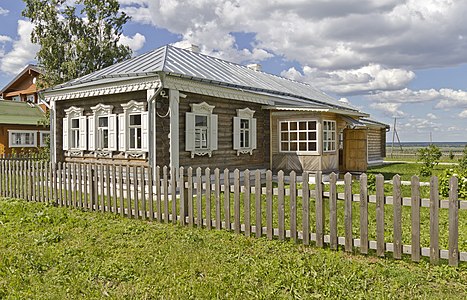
(355, 150)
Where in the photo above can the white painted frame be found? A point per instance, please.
(41, 138)
(14, 145)
(244, 114)
(300, 152)
(201, 109)
(329, 131)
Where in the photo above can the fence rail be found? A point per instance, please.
(257, 204)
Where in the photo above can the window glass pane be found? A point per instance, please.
(201, 121)
(293, 125)
(244, 123)
(302, 136)
(285, 146)
(293, 136)
(302, 125)
(135, 119)
(312, 136)
(293, 146)
(302, 146)
(284, 126)
(103, 121)
(284, 136)
(312, 146)
(247, 139)
(74, 123)
(312, 125)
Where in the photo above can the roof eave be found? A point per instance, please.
(315, 109)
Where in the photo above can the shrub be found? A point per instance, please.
(429, 157)
(445, 179)
(463, 161)
(451, 155)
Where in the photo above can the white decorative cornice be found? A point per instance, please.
(133, 106)
(116, 87)
(74, 111)
(106, 109)
(202, 108)
(245, 113)
(214, 90)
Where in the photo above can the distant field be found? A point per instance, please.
(408, 151)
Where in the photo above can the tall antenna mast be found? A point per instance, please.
(395, 135)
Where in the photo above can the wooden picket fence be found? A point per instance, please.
(255, 203)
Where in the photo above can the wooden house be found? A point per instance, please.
(20, 114)
(177, 107)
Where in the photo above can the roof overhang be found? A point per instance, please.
(114, 86)
(317, 109)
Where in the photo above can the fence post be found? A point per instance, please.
(280, 205)
(319, 209)
(333, 211)
(293, 206)
(434, 220)
(364, 214)
(305, 208)
(246, 200)
(183, 195)
(453, 223)
(269, 208)
(237, 225)
(380, 244)
(415, 214)
(92, 191)
(397, 217)
(258, 222)
(227, 199)
(348, 212)
(208, 198)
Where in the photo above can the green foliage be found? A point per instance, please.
(429, 157)
(451, 155)
(445, 178)
(371, 180)
(75, 39)
(463, 161)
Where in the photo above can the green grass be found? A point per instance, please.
(57, 253)
(405, 170)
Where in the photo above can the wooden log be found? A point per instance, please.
(306, 208)
(364, 214)
(380, 245)
(246, 202)
(319, 209)
(333, 243)
(453, 222)
(434, 220)
(191, 213)
(237, 226)
(269, 206)
(281, 205)
(199, 198)
(397, 216)
(207, 173)
(217, 195)
(165, 188)
(348, 212)
(415, 215)
(227, 199)
(258, 221)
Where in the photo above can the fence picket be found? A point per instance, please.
(281, 205)
(207, 173)
(348, 212)
(143, 184)
(151, 193)
(166, 194)
(135, 192)
(269, 206)
(173, 192)
(128, 192)
(199, 198)
(453, 222)
(306, 209)
(258, 221)
(364, 214)
(380, 245)
(293, 206)
(183, 204)
(415, 215)
(60, 184)
(397, 217)
(107, 188)
(158, 195)
(227, 199)
(237, 226)
(333, 211)
(87, 187)
(246, 202)
(217, 195)
(434, 220)
(73, 185)
(114, 188)
(191, 212)
(69, 179)
(319, 209)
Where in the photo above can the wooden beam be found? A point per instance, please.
(174, 101)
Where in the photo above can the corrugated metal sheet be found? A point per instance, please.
(20, 113)
(184, 63)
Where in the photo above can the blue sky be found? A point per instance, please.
(391, 58)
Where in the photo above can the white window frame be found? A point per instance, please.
(16, 98)
(41, 138)
(205, 110)
(71, 113)
(96, 132)
(133, 108)
(329, 143)
(299, 132)
(245, 114)
(31, 98)
(14, 145)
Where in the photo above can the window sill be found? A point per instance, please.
(301, 153)
(245, 151)
(201, 153)
(22, 146)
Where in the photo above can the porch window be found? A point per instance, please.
(135, 128)
(200, 130)
(21, 138)
(244, 131)
(74, 131)
(329, 136)
(44, 138)
(298, 136)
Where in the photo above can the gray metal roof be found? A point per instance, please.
(195, 66)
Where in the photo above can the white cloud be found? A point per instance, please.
(463, 114)
(389, 109)
(4, 12)
(135, 43)
(23, 50)
(362, 80)
(431, 116)
(405, 96)
(4, 39)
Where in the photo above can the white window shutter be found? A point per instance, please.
(92, 134)
(113, 132)
(189, 132)
(253, 134)
(65, 141)
(144, 131)
(122, 132)
(213, 133)
(83, 121)
(236, 133)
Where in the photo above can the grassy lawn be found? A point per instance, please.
(406, 170)
(58, 253)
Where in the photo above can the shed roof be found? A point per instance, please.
(20, 113)
(196, 66)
